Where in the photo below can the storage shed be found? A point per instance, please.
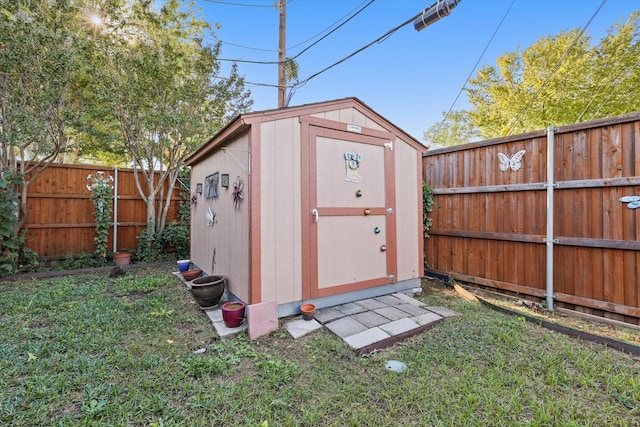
(319, 203)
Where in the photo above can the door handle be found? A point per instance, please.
(314, 212)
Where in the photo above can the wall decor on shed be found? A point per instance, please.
(295, 230)
(211, 184)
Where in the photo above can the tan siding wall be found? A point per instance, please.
(408, 211)
(281, 226)
(350, 116)
(230, 236)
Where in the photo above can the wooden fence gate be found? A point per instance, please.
(492, 225)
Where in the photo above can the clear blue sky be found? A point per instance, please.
(409, 78)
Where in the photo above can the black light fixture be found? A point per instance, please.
(434, 13)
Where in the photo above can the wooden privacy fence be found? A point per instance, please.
(60, 213)
(491, 225)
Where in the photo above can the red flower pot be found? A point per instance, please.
(233, 313)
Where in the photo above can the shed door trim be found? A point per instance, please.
(312, 130)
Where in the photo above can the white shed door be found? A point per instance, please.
(351, 237)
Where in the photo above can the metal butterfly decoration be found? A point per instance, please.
(633, 201)
(515, 162)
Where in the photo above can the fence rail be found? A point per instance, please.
(490, 224)
(60, 213)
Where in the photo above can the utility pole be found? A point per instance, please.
(282, 53)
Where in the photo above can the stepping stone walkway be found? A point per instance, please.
(373, 323)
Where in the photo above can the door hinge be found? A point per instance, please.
(391, 277)
(389, 211)
(389, 145)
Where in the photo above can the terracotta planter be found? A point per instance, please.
(233, 313)
(191, 274)
(308, 311)
(208, 290)
(122, 258)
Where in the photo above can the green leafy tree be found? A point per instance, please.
(152, 75)
(38, 60)
(555, 81)
(455, 128)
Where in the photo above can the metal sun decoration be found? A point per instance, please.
(633, 202)
(98, 180)
(238, 192)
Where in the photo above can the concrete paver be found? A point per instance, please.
(350, 308)
(391, 313)
(411, 309)
(328, 314)
(371, 304)
(300, 327)
(370, 319)
(406, 298)
(442, 311)
(365, 338)
(345, 327)
(427, 318)
(399, 326)
(389, 300)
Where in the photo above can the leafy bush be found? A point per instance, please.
(14, 255)
(427, 208)
(102, 198)
(153, 246)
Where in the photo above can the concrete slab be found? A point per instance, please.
(371, 304)
(408, 299)
(225, 332)
(214, 315)
(262, 319)
(350, 308)
(399, 326)
(442, 311)
(299, 328)
(365, 338)
(425, 319)
(370, 319)
(325, 315)
(389, 300)
(391, 313)
(411, 309)
(345, 327)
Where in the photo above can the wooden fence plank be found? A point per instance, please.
(60, 219)
(489, 225)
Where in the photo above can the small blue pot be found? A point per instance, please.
(184, 264)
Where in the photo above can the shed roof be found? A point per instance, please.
(244, 121)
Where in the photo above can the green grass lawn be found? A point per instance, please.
(92, 350)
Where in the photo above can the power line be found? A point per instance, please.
(564, 57)
(228, 3)
(247, 61)
(334, 30)
(444, 119)
(351, 55)
(326, 29)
